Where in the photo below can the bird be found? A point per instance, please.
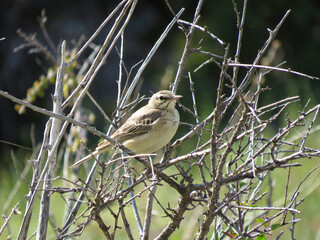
(148, 129)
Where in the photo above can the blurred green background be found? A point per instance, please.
(68, 20)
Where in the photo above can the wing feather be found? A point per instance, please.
(136, 125)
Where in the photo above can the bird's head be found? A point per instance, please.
(164, 100)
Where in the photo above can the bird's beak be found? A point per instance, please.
(176, 97)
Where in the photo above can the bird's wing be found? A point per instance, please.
(139, 123)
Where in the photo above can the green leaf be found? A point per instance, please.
(246, 228)
(262, 237)
(216, 237)
(40, 93)
(275, 226)
(242, 184)
(259, 220)
(231, 230)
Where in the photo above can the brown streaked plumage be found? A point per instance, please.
(148, 129)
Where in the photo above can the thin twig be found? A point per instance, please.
(232, 64)
(148, 215)
(149, 56)
(94, 35)
(186, 50)
(7, 219)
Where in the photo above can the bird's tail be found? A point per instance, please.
(86, 158)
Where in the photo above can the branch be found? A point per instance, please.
(52, 154)
(186, 50)
(235, 64)
(7, 219)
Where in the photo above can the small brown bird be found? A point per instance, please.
(148, 129)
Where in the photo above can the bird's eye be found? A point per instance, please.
(161, 97)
